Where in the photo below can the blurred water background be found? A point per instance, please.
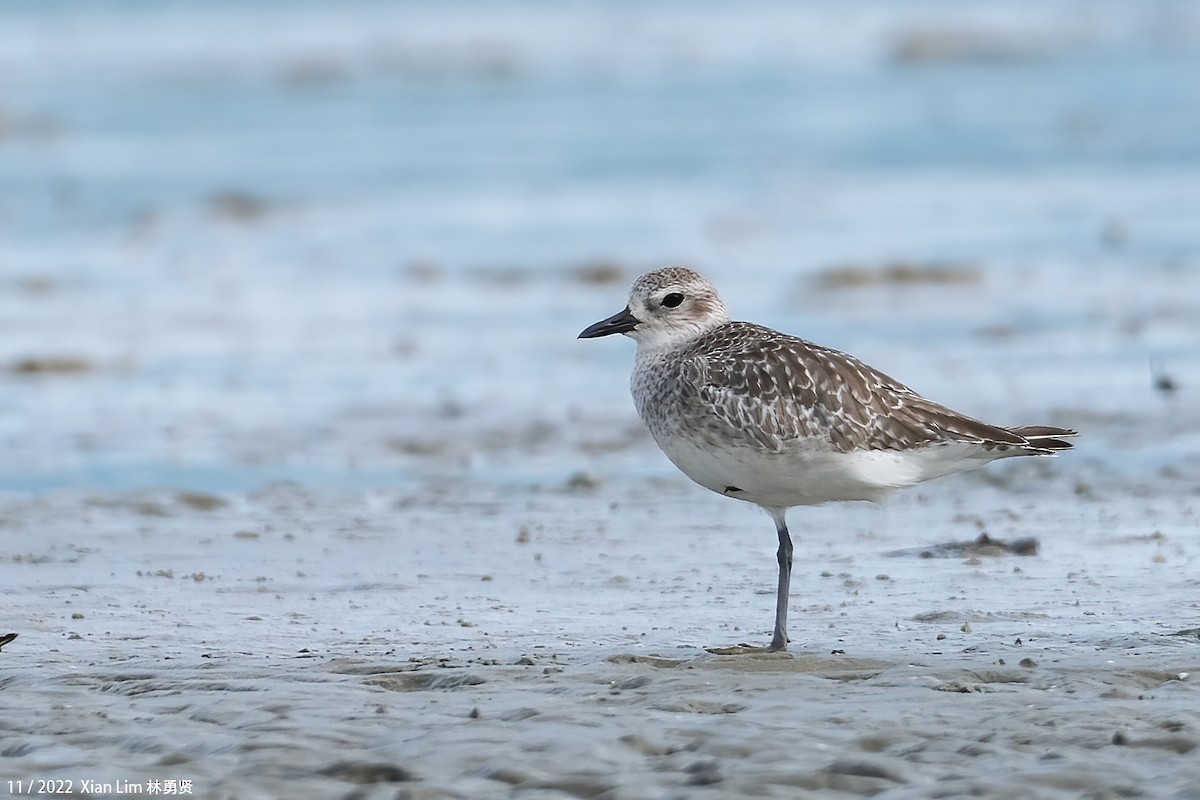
(352, 243)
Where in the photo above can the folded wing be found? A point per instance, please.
(773, 391)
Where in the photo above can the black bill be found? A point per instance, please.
(621, 322)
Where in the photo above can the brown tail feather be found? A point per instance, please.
(1045, 437)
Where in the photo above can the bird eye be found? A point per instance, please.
(672, 300)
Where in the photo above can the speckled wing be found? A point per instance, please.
(773, 390)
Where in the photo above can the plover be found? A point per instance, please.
(764, 417)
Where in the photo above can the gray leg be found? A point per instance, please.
(784, 557)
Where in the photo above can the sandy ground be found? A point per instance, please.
(548, 641)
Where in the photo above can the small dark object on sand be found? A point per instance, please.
(367, 772)
(1191, 633)
(982, 546)
(6, 638)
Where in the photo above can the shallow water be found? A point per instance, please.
(295, 419)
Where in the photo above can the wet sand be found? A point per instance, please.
(549, 641)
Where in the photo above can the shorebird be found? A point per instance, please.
(774, 420)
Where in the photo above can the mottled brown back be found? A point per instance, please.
(775, 390)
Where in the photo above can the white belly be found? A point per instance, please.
(812, 475)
